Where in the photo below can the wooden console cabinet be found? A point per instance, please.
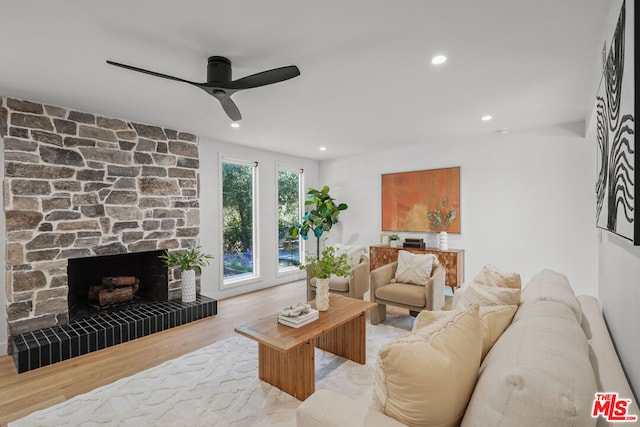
(452, 260)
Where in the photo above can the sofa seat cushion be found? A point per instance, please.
(548, 285)
(336, 283)
(537, 374)
(402, 293)
(425, 378)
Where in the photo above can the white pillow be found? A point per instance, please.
(491, 276)
(487, 295)
(414, 268)
(426, 378)
(353, 253)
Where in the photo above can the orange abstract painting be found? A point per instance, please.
(408, 197)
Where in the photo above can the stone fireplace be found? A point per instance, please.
(83, 186)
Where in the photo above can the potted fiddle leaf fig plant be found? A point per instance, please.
(188, 261)
(330, 263)
(320, 219)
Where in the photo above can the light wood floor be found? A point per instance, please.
(21, 394)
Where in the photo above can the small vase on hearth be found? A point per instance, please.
(188, 285)
(322, 294)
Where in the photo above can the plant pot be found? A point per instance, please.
(322, 294)
(444, 241)
(188, 286)
(394, 243)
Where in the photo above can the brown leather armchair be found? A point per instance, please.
(353, 286)
(415, 298)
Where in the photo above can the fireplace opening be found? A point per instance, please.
(106, 283)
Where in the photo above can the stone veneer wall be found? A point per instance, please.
(79, 185)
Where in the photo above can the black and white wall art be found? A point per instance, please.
(618, 165)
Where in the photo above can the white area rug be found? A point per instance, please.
(215, 386)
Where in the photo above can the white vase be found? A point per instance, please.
(394, 243)
(444, 241)
(188, 286)
(322, 294)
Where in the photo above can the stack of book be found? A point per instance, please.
(299, 320)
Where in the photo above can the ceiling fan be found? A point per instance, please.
(220, 85)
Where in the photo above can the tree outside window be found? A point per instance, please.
(288, 214)
(238, 220)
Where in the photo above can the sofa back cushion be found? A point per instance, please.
(537, 374)
(425, 378)
(548, 285)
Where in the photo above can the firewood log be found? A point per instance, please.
(116, 295)
(120, 281)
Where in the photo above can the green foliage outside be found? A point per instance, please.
(237, 202)
(288, 212)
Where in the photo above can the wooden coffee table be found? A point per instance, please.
(286, 355)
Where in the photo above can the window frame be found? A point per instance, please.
(227, 283)
(301, 248)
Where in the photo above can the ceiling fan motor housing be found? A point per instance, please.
(218, 69)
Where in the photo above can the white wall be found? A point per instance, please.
(210, 237)
(527, 200)
(3, 265)
(619, 261)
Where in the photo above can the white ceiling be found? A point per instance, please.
(366, 79)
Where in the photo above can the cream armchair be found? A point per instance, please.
(353, 286)
(385, 290)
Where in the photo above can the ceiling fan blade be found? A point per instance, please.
(152, 73)
(231, 108)
(264, 78)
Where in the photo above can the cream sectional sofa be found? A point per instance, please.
(544, 370)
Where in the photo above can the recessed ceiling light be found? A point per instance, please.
(487, 118)
(235, 125)
(438, 59)
(323, 148)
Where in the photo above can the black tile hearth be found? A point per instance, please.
(35, 349)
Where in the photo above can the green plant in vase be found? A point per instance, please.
(393, 240)
(322, 268)
(439, 221)
(188, 261)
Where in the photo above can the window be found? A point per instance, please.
(289, 249)
(238, 220)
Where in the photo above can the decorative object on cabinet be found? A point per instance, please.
(408, 198)
(413, 243)
(394, 240)
(452, 260)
